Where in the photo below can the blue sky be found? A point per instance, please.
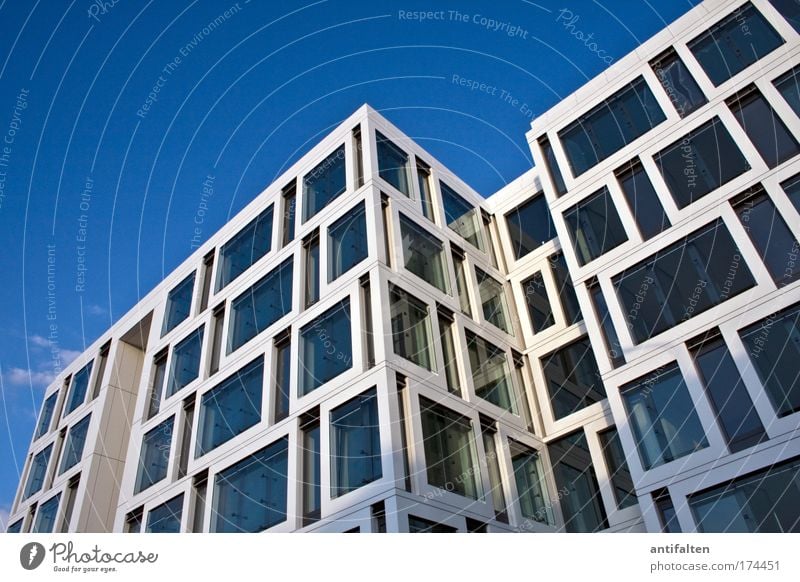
(84, 132)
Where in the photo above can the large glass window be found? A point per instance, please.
(179, 304)
(576, 480)
(628, 114)
(613, 348)
(701, 162)
(393, 164)
(449, 450)
(530, 225)
(734, 43)
(166, 518)
(789, 86)
(423, 254)
(326, 347)
(493, 301)
(762, 502)
(773, 345)
(462, 217)
(594, 226)
(643, 200)
(78, 388)
(37, 472)
(355, 444)
(231, 407)
(682, 280)
(539, 308)
(347, 242)
(663, 417)
(531, 488)
(619, 475)
(245, 248)
(766, 130)
(261, 305)
(490, 373)
(732, 404)
(250, 496)
(573, 380)
(566, 290)
(154, 455)
(771, 236)
(46, 415)
(680, 86)
(76, 440)
(185, 364)
(323, 184)
(411, 328)
(46, 516)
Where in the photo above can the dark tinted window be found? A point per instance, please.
(679, 84)
(530, 226)
(573, 380)
(789, 86)
(594, 226)
(245, 248)
(764, 128)
(643, 200)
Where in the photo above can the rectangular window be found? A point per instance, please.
(573, 380)
(73, 452)
(423, 254)
(790, 10)
(185, 364)
(462, 287)
(358, 153)
(552, 166)
(761, 502)
(347, 242)
(217, 323)
(617, 121)
(594, 226)
(530, 226)
(680, 86)
(46, 415)
(792, 189)
(539, 309)
(208, 271)
(489, 434)
(245, 248)
(166, 518)
(493, 301)
(788, 85)
(734, 43)
(447, 336)
(157, 390)
(269, 299)
(326, 347)
(773, 346)
(185, 446)
(15, 527)
(283, 365)
(576, 480)
(386, 224)
(37, 471)
(355, 444)
(701, 162)
(289, 195)
(610, 338)
(411, 328)
(102, 359)
(401, 383)
(425, 192)
(766, 130)
(489, 231)
(618, 473)
(393, 164)
(310, 435)
(688, 277)
(449, 450)
(770, 234)
(46, 516)
(666, 511)
(326, 182)
(179, 304)
(154, 455)
(367, 333)
(250, 496)
(78, 388)
(529, 478)
(311, 269)
(420, 525)
(566, 290)
(732, 404)
(490, 374)
(663, 417)
(643, 200)
(230, 408)
(69, 502)
(133, 521)
(462, 217)
(199, 493)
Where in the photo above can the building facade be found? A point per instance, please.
(609, 343)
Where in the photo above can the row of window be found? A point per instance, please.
(44, 517)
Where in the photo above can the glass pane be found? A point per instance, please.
(552, 166)
(283, 363)
(594, 226)
(78, 388)
(765, 129)
(411, 328)
(679, 84)
(419, 525)
(231, 407)
(423, 254)
(393, 164)
(617, 466)
(643, 202)
(667, 515)
(245, 248)
(323, 184)
(159, 377)
(185, 366)
(289, 211)
(531, 488)
(166, 518)
(154, 456)
(490, 373)
(566, 291)
(37, 472)
(311, 477)
(15, 527)
(449, 351)
(426, 196)
(355, 444)
(46, 516)
(493, 301)
(347, 242)
(495, 476)
(46, 416)
(179, 303)
(462, 217)
(573, 380)
(734, 43)
(312, 266)
(792, 189)
(269, 299)
(790, 10)
(613, 347)
(789, 86)
(539, 308)
(250, 496)
(663, 418)
(530, 225)
(73, 450)
(326, 347)
(461, 285)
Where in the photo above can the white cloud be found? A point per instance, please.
(67, 356)
(39, 341)
(95, 309)
(25, 377)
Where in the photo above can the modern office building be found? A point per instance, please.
(609, 343)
